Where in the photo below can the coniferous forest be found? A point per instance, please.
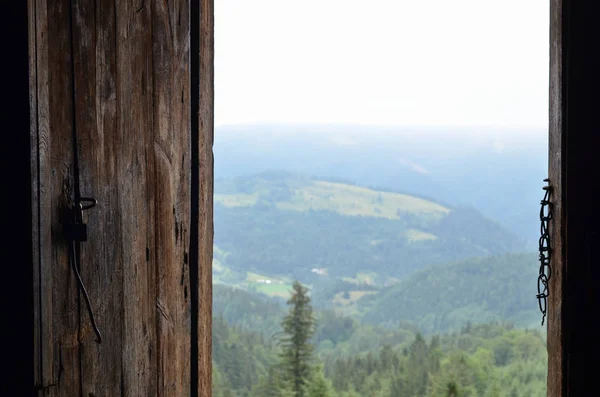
(338, 356)
(332, 287)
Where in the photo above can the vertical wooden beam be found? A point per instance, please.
(202, 191)
(41, 202)
(59, 291)
(113, 87)
(172, 179)
(95, 95)
(556, 171)
(134, 162)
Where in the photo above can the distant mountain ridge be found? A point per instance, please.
(498, 171)
(441, 298)
(285, 224)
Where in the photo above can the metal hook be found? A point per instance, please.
(90, 200)
(77, 234)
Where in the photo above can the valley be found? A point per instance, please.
(355, 246)
(418, 287)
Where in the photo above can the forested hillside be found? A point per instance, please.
(248, 310)
(439, 298)
(412, 297)
(355, 360)
(497, 171)
(277, 224)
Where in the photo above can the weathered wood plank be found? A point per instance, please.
(134, 183)
(205, 200)
(94, 38)
(555, 325)
(42, 249)
(115, 78)
(172, 153)
(61, 312)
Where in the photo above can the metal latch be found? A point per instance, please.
(74, 227)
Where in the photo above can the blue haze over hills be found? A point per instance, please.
(496, 171)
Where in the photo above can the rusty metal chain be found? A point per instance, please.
(545, 272)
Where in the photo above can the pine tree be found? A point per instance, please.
(493, 390)
(298, 328)
(220, 386)
(340, 375)
(319, 386)
(398, 387)
(452, 389)
(417, 375)
(271, 385)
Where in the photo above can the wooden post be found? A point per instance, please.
(574, 172)
(117, 89)
(203, 12)
(555, 323)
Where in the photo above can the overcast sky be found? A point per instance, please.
(391, 62)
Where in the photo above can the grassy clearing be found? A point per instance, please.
(281, 290)
(237, 200)
(331, 196)
(255, 277)
(363, 278)
(359, 201)
(414, 235)
(277, 286)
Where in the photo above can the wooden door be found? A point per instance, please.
(121, 111)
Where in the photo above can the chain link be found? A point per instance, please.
(545, 272)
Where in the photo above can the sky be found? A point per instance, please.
(382, 62)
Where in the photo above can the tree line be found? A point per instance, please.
(487, 360)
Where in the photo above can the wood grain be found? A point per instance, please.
(206, 189)
(94, 38)
(172, 178)
(116, 77)
(556, 171)
(56, 195)
(136, 197)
